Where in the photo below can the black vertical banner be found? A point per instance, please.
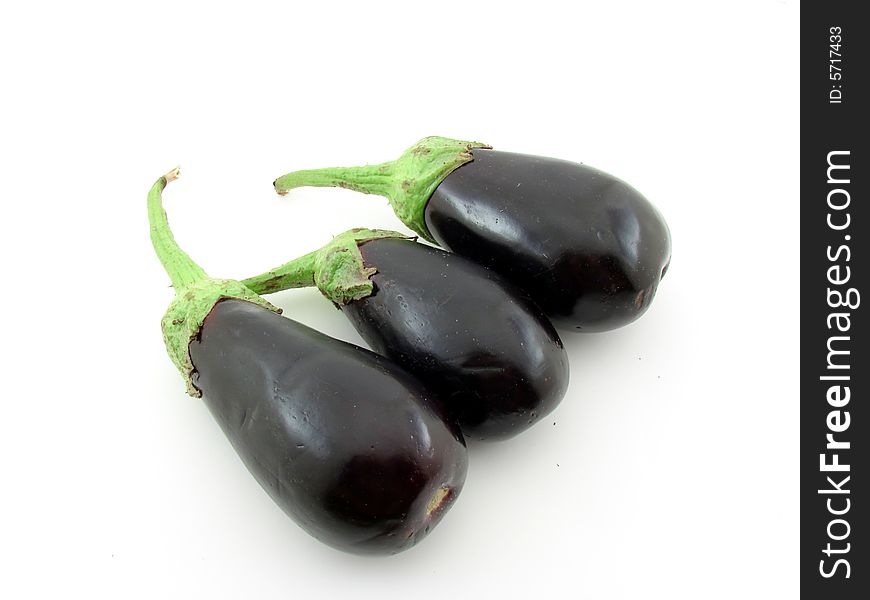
(835, 301)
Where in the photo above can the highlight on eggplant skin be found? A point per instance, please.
(588, 247)
(347, 443)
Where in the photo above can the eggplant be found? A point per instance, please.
(482, 345)
(351, 446)
(585, 245)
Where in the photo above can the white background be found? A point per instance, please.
(672, 468)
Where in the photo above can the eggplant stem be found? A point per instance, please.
(368, 179)
(298, 273)
(407, 182)
(181, 269)
(337, 269)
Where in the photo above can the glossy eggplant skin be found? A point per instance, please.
(469, 335)
(349, 445)
(587, 247)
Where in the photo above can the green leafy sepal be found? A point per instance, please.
(183, 320)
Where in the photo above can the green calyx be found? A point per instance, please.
(183, 319)
(196, 292)
(337, 269)
(408, 182)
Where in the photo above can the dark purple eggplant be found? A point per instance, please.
(487, 350)
(356, 450)
(586, 246)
